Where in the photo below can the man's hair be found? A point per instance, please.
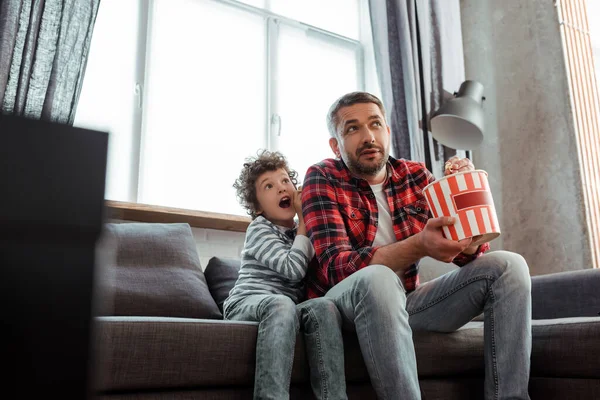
(254, 167)
(347, 100)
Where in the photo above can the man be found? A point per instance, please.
(369, 222)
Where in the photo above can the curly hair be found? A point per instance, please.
(254, 167)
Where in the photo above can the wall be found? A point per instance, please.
(212, 243)
(514, 49)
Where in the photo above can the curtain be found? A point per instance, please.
(419, 59)
(44, 45)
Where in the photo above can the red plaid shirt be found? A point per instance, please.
(340, 213)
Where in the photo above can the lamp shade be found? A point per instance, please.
(459, 123)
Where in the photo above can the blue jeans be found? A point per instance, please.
(374, 303)
(279, 322)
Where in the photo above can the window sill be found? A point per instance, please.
(197, 219)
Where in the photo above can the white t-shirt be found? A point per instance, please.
(385, 229)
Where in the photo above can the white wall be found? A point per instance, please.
(211, 242)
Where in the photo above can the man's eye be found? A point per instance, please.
(377, 123)
(351, 129)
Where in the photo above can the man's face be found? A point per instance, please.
(274, 191)
(363, 139)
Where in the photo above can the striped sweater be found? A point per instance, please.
(272, 263)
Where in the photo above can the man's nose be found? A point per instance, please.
(369, 136)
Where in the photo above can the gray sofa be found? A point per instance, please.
(159, 333)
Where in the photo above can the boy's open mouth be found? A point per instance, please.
(285, 202)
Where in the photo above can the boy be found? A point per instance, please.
(270, 288)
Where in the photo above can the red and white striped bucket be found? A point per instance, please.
(467, 197)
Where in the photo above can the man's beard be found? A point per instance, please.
(358, 168)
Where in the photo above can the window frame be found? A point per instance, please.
(273, 119)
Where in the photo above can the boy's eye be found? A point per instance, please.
(268, 186)
(286, 180)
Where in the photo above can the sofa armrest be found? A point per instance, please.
(149, 353)
(566, 294)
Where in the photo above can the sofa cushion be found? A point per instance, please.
(161, 353)
(221, 275)
(155, 271)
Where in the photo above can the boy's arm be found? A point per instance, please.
(266, 247)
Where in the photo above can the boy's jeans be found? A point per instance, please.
(279, 321)
(374, 303)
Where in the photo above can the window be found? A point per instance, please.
(189, 88)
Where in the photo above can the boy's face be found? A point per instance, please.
(274, 192)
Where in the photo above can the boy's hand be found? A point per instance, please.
(297, 201)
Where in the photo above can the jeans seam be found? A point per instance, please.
(451, 292)
(324, 387)
(377, 374)
(494, 363)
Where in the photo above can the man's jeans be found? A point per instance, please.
(374, 303)
(279, 322)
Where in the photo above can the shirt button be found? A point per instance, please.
(419, 209)
(375, 223)
(371, 195)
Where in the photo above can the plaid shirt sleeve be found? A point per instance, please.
(463, 259)
(325, 226)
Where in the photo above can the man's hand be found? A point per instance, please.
(456, 164)
(433, 243)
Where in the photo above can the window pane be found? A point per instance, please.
(107, 100)
(313, 73)
(205, 103)
(338, 16)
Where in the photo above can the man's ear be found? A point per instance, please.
(333, 143)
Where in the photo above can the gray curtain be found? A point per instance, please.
(44, 45)
(419, 59)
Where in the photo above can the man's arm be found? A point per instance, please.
(429, 242)
(337, 258)
(325, 226)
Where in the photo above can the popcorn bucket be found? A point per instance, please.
(466, 196)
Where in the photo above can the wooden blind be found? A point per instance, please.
(583, 87)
